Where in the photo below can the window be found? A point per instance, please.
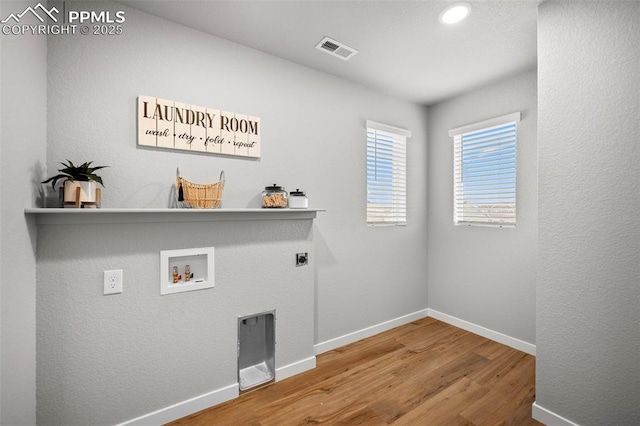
(386, 174)
(485, 172)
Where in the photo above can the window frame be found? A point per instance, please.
(498, 216)
(395, 213)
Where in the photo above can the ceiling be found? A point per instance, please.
(403, 49)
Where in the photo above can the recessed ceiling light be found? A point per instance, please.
(454, 13)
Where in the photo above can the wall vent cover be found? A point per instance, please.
(336, 48)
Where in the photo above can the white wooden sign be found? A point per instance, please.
(175, 125)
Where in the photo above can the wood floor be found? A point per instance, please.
(423, 373)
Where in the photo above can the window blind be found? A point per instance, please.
(485, 172)
(386, 174)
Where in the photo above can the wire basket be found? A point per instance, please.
(199, 196)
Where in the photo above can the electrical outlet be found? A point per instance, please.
(113, 281)
(302, 259)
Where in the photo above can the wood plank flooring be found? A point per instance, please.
(423, 373)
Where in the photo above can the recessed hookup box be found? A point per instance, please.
(186, 270)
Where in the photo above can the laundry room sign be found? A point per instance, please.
(175, 125)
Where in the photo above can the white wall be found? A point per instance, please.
(483, 275)
(588, 306)
(1, 139)
(313, 138)
(23, 136)
(148, 352)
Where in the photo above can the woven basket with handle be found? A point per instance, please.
(199, 196)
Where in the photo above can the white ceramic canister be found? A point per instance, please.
(298, 200)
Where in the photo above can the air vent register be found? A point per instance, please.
(336, 48)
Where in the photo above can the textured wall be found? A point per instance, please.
(149, 351)
(313, 138)
(23, 136)
(484, 275)
(588, 306)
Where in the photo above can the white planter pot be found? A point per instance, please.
(87, 191)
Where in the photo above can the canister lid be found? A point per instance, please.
(275, 187)
(297, 193)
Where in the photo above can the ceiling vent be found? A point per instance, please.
(335, 48)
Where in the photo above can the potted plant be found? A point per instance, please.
(82, 176)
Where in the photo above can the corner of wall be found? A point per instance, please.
(23, 83)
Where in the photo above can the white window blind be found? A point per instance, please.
(485, 172)
(386, 174)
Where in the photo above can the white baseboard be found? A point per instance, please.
(218, 396)
(184, 408)
(227, 393)
(368, 332)
(295, 368)
(484, 332)
(549, 418)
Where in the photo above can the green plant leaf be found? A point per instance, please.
(71, 172)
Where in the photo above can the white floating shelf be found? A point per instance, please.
(61, 216)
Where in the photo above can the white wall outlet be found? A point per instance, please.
(113, 281)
